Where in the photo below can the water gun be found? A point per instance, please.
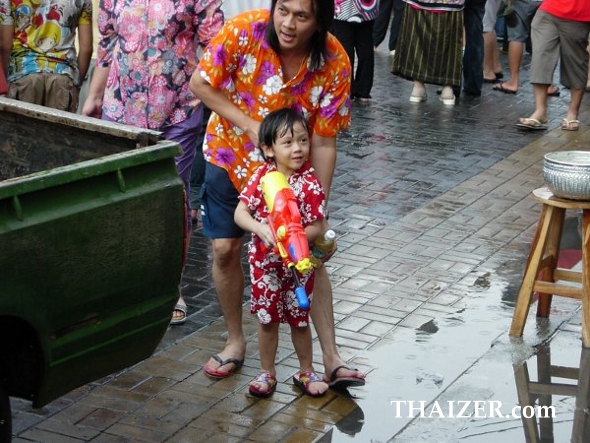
(285, 223)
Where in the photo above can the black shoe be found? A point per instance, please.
(472, 93)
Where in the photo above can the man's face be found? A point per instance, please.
(295, 23)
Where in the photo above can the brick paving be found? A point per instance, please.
(432, 208)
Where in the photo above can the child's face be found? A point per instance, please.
(290, 150)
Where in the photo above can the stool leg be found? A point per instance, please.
(525, 294)
(550, 255)
(529, 423)
(586, 278)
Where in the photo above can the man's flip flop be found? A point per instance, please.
(500, 87)
(341, 383)
(531, 124)
(220, 374)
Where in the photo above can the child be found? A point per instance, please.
(285, 143)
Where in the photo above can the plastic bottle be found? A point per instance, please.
(322, 246)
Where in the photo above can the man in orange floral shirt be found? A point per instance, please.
(261, 61)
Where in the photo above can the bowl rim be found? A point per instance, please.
(548, 158)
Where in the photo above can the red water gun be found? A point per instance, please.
(285, 223)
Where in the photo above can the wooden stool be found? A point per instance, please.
(551, 381)
(541, 273)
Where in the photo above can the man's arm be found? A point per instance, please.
(323, 160)
(6, 36)
(93, 104)
(218, 102)
(85, 49)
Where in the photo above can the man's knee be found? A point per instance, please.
(226, 252)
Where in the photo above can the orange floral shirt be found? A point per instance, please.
(240, 62)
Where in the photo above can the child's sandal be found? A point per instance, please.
(304, 379)
(263, 377)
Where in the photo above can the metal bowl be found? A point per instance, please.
(567, 174)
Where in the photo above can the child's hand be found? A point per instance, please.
(265, 234)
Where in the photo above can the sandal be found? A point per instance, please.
(179, 318)
(304, 379)
(342, 383)
(216, 373)
(532, 124)
(263, 377)
(570, 125)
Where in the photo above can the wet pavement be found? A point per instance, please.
(433, 212)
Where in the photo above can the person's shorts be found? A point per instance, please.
(491, 15)
(219, 199)
(55, 91)
(557, 39)
(524, 12)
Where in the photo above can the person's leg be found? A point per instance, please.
(396, 22)
(571, 121)
(219, 199)
(301, 338)
(228, 278)
(545, 39)
(268, 341)
(322, 314)
(418, 94)
(491, 61)
(540, 112)
(185, 133)
(515, 52)
(382, 21)
(473, 55)
(574, 66)
(198, 167)
(344, 32)
(366, 59)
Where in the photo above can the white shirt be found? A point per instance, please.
(234, 7)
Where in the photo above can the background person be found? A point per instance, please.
(430, 48)
(143, 70)
(38, 50)
(353, 26)
(262, 61)
(388, 10)
(560, 32)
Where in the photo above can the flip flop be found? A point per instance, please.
(180, 319)
(555, 93)
(570, 125)
(304, 379)
(531, 124)
(219, 374)
(263, 377)
(500, 87)
(341, 383)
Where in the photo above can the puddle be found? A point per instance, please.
(465, 356)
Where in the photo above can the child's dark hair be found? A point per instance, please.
(278, 123)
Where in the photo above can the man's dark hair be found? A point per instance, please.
(324, 14)
(278, 123)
